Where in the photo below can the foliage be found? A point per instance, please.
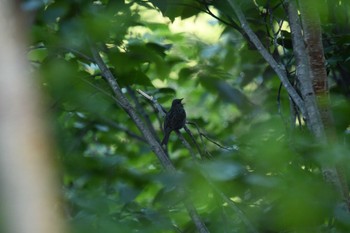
(269, 168)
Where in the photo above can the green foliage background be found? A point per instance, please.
(113, 182)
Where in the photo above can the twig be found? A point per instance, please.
(144, 115)
(200, 136)
(123, 128)
(218, 144)
(231, 24)
(156, 106)
(102, 91)
(186, 144)
(154, 101)
(79, 54)
(209, 139)
(112, 123)
(194, 140)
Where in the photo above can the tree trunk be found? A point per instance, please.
(318, 73)
(303, 69)
(28, 185)
(316, 60)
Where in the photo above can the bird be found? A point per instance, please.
(175, 119)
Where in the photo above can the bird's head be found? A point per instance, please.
(176, 102)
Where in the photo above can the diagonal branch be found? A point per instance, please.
(124, 103)
(268, 57)
(142, 112)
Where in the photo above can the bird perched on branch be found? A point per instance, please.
(175, 119)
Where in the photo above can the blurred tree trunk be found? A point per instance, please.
(28, 185)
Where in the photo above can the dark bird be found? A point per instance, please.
(175, 119)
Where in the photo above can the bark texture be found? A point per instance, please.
(318, 74)
(303, 70)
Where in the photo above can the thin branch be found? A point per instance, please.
(267, 56)
(186, 144)
(209, 139)
(154, 101)
(142, 112)
(123, 128)
(112, 123)
(217, 144)
(194, 140)
(231, 24)
(101, 90)
(79, 54)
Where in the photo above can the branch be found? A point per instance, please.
(267, 56)
(142, 112)
(186, 144)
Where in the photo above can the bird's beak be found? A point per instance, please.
(181, 99)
